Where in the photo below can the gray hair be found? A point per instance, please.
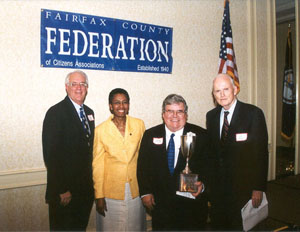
(76, 71)
(174, 99)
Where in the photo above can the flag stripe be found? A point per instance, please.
(221, 65)
(229, 46)
(227, 61)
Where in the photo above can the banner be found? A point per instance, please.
(79, 41)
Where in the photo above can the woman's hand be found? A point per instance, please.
(101, 206)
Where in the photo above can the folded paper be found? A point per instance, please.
(252, 216)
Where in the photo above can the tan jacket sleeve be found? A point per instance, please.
(98, 165)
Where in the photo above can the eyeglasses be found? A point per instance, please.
(75, 84)
(179, 113)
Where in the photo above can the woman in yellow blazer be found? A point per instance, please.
(116, 147)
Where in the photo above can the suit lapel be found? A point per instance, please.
(235, 121)
(216, 124)
(74, 115)
(90, 119)
(181, 161)
(162, 134)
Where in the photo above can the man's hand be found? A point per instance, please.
(148, 201)
(256, 198)
(101, 206)
(65, 198)
(199, 190)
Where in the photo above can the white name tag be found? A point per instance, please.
(241, 137)
(90, 117)
(158, 141)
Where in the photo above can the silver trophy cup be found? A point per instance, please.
(187, 179)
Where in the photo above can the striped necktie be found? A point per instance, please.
(84, 123)
(171, 154)
(225, 127)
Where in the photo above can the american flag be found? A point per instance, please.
(227, 62)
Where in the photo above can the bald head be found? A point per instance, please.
(224, 90)
(223, 76)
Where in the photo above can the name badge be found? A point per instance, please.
(241, 137)
(90, 117)
(158, 141)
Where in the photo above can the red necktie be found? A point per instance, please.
(225, 127)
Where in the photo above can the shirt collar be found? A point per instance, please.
(231, 109)
(77, 107)
(177, 133)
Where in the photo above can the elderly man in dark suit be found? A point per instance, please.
(239, 156)
(158, 177)
(68, 132)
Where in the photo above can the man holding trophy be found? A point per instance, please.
(171, 170)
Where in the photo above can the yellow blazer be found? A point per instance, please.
(115, 158)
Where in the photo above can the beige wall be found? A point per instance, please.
(27, 90)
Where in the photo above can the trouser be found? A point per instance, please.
(72, 217)
(182, 214)
(226, 215)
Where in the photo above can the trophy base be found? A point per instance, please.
(187, 182)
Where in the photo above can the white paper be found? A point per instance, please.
(252, 216)
(185, 194)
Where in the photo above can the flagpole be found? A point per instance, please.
(292, 140)
(225, 2)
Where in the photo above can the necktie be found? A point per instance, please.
(225, 127)
(84, 122)
(171, 154)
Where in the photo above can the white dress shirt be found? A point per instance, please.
(229, 116)
(77, 107)
(177, 142)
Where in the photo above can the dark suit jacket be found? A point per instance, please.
(241, 165)
(152, 169)
(67, 151)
